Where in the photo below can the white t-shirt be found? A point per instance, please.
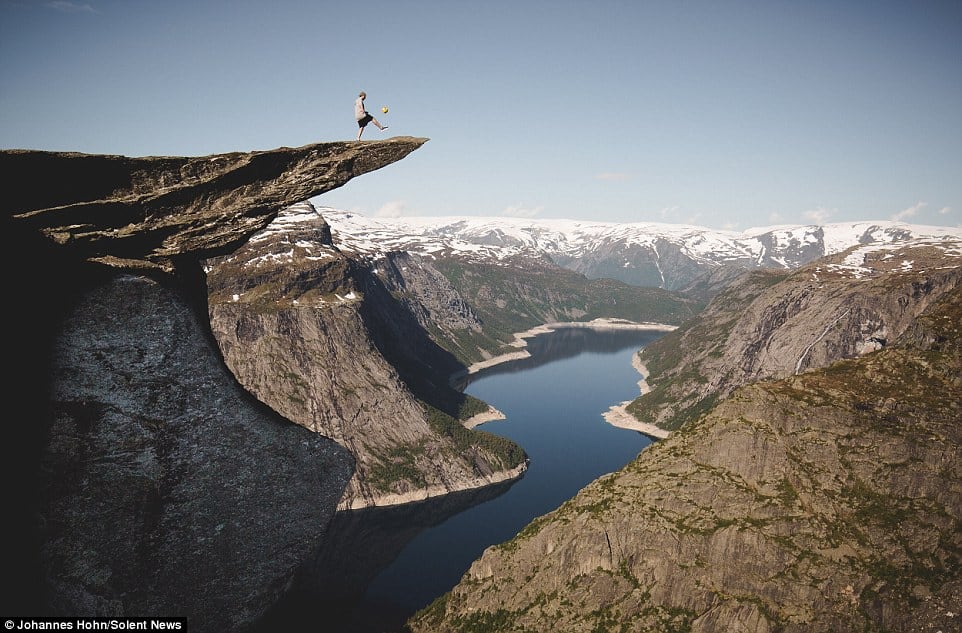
(359, 112)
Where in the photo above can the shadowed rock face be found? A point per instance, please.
(140, 477)
(154, 496)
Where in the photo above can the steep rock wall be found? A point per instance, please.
(428, 295)
(153, 488)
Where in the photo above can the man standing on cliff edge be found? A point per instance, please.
(363, 116)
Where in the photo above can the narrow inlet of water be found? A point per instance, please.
(383, 564)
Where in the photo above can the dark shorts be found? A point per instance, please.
(367, 119)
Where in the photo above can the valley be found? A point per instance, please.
(340, 344)
(383, 564)
(713, 379)
(824, 501)
(221, 369)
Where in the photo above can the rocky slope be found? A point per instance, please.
(772, 324)
(830, 500)
(669, 256)
(140, 477)
(317, 336)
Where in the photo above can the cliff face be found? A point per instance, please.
(830, 500)
(141, 477)
(154, 498)
(317, 336)
(428, 295)
(773, 324)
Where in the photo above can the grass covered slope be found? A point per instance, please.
(830, 500)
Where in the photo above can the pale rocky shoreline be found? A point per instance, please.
(520, 340)
(434, 491)
(618, 414)
(484, 416)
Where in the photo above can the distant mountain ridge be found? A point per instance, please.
(669, 256)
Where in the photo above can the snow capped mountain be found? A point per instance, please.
(507, 237)
(670, 256)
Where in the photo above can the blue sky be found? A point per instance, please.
(722, 114)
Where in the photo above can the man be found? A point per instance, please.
(363, 116)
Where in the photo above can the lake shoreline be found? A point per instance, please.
(553, 401)
(618, 414)
(485, 416)
(520, 342)
(431, 492)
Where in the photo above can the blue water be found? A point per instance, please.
(554, 411)
(382, 565)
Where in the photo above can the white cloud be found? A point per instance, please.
(613, 176)
(819, 215)
(519, 211)
(70, 7)
(945, 210)
(668, 213)
(392, 209)
(774, 217)
(904, 214)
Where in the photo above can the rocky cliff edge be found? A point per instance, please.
(140, 477)
(149, 212)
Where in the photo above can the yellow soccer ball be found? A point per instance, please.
(384, 109)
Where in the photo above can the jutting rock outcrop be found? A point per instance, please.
(141, 478)
(830, 500)
(148, 212)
